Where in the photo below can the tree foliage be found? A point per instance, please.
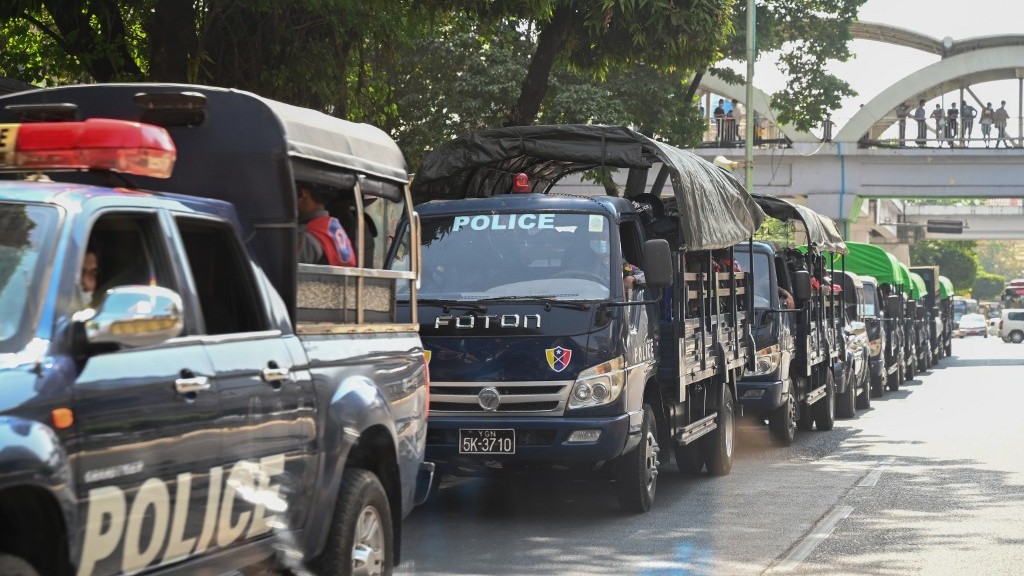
(1000, 257)
(805, 35)
(956, 260)
(988, 286)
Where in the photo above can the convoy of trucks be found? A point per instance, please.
(214, 403)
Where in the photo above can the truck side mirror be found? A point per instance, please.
(893, 305)
(657, 263)
(133, 316)
(801, 285)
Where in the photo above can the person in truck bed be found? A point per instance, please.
(324, 240)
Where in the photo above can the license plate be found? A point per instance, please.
(472, 441)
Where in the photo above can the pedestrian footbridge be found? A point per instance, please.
(838, 168)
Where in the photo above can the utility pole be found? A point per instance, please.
(748, 164)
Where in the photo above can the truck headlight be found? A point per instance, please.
(599, 384)
(875, 346)
(766, 361)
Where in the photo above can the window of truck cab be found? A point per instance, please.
(473, 256)
(222, 277)
(27, 240)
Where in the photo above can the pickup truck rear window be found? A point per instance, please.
(27, 234)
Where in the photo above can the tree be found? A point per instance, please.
(955, 259)
(988, 286)
(1000, 257)
(593, 36)
(806, 35)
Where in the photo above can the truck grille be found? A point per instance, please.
(520, 398)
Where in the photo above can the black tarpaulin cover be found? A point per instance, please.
(821, 230)
(714, 209)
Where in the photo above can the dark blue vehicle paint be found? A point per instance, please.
(193, 463)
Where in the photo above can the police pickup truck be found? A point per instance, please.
(548, 351)
(179, 395)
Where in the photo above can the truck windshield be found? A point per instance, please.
(869, 300)
(26, 239)
(762, 285)
(561, 256)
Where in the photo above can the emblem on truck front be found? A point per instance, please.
(558, 358)
(489, 399)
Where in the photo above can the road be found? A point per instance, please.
(927, 481)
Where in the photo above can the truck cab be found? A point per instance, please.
(181, 395)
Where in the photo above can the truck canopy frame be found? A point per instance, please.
(714, 210)
(945, 288)
(870, 260)
(237, 147)
(821, 230)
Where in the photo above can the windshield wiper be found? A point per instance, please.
(548, 301)
(447, 305)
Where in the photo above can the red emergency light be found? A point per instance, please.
(95, 144)
(520, 184)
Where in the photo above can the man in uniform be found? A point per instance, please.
(323, 240)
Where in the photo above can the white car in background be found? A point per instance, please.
(973, 325)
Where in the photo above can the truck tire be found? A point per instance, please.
(877, 385)
(11, 565)
(864, 398)
(689, 458)
(896, 377)
(636, 472)
(825, 409)
(719, 444)
(846, 403)
(782, 422)
(361, 540)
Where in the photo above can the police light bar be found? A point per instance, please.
(95, 144)
(520, 183)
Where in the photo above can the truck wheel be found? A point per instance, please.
(11, 565)
(864, 398)
(825, 409)
(719, 444)
(361, 537)
(846, 406)
(636, 472)
(689, 458)
(896, 377)
(1016, 337)
(877, 385)
(782, 422)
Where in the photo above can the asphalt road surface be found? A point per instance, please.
(930, 480)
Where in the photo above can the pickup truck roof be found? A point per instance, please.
(237, 147)
(714, 211)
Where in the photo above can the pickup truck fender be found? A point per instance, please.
(356, 406)
(32, 456)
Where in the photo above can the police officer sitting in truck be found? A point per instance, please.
(323, 239)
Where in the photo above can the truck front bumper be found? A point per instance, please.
(542, 440)
(760, 395)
